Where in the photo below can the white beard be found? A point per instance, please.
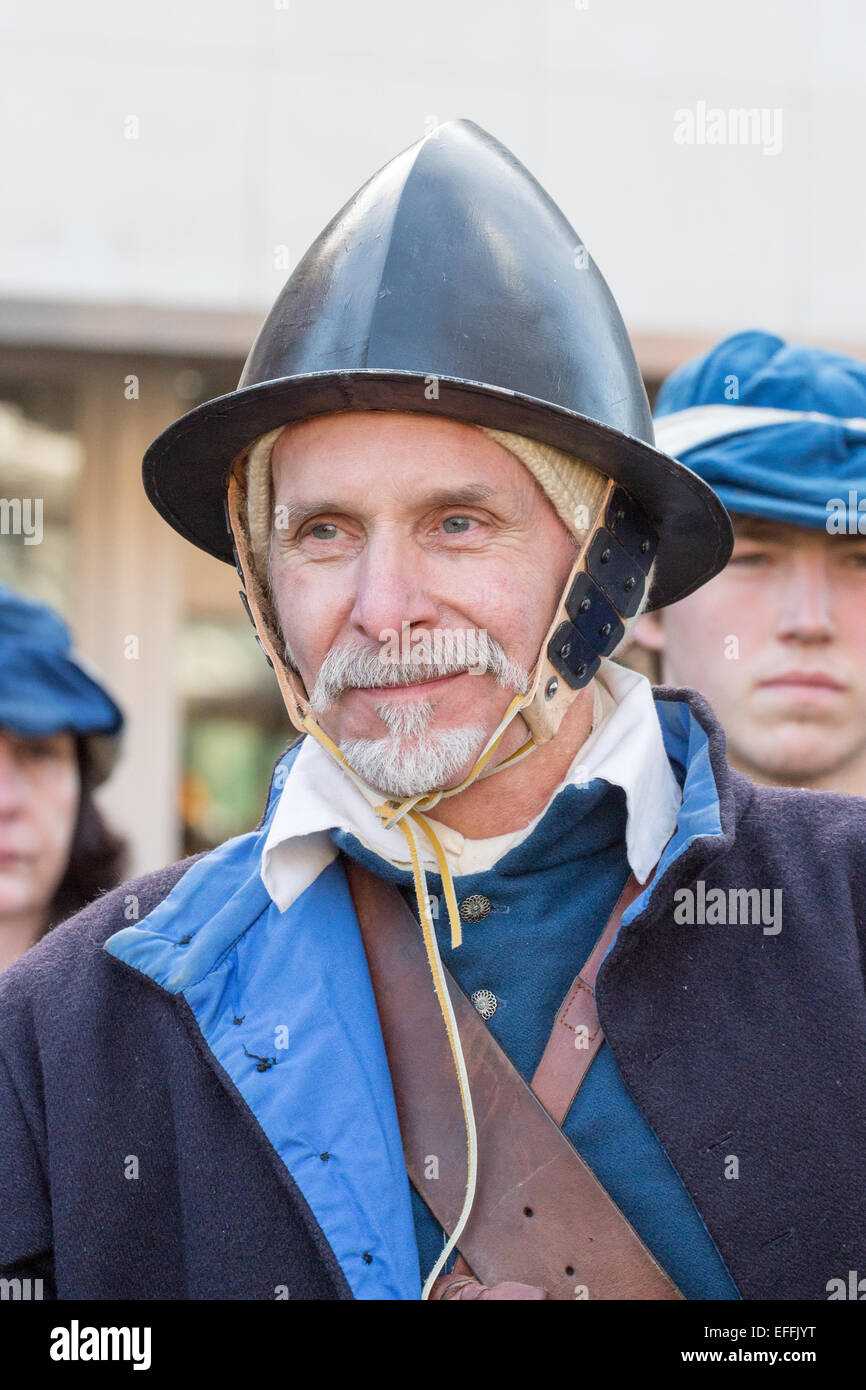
(411, 761)
(407, 767)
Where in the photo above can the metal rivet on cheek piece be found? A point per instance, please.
(551, 688)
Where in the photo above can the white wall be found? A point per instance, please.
(257, 122)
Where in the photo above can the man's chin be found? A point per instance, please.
(795, 755)
(406, 766)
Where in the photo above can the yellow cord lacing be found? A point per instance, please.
(410, 810)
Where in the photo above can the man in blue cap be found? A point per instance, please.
(59, 737)
(777, 641)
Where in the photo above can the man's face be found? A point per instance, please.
(777, 643)
(39, 795)
(391, 527)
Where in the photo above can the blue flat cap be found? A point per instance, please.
(777, 429)
(44, 688)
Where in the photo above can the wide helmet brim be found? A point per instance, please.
(186, 468)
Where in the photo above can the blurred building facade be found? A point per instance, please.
(160, 620)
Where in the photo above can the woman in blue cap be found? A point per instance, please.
(777, 640)
(59, 737)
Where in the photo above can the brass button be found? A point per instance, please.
(475, 908)
(485, 1002)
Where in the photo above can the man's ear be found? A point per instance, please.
(649, 632)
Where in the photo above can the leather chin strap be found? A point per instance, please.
(587, 624)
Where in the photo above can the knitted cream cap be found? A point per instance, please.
(576, 489)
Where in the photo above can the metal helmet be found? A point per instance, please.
(449, 284)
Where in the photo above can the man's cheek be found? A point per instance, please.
(713, 629)
(691, 634)
(309, 643)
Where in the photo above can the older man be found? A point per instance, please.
(777, 641)
(583, 1028)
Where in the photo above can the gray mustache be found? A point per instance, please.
(364, 668)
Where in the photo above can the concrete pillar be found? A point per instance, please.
(128, 598)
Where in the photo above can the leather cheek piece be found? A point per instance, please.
(572, 656)
(628, 523)
(608, 591)
(242, 595)
(249, 612)
(616, 573)
(593, 615)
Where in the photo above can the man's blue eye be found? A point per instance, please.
(324, 526)
(462, 522)
(753, 557)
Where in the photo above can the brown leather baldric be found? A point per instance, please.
(577, 1034)
(540, 1215)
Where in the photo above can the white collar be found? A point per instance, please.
(625, 748)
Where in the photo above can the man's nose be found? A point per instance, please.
(393, 588)
(807, 607)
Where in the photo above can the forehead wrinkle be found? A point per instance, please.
(459, 496)
(297, 512)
